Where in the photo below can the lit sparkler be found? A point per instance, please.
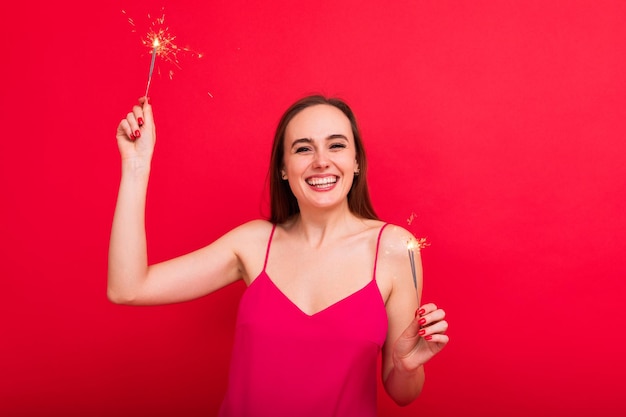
(413, 244)
(160, 40)
(155, 45)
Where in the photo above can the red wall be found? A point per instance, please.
(500, 123)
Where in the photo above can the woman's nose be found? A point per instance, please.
(320, 160)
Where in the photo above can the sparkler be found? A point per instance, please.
(413, 244)
(411, 249)
(155, 45)
(160, 40)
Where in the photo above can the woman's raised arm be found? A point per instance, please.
(130, 279)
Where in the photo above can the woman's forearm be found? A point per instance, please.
(128, 260)
(404, 386)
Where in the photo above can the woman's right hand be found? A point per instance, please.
(136, 134)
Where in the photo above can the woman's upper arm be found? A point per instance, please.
(205, 270)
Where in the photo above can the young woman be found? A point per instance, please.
(329, 285)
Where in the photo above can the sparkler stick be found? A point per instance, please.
(155, 45)
(411, 244)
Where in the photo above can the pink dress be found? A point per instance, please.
(287, 363)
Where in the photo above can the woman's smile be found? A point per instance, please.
(322, 183)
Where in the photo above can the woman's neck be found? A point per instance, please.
(317, 227)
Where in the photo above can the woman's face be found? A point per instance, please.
(320, 156)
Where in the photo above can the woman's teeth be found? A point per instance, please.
(321, 181)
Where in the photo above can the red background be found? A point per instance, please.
(500, 123)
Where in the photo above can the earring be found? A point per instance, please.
(357, 171)
(283, 175)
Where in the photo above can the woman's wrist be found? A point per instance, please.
(403, 366)
(136, 166)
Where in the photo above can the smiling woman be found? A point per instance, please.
(320, 168)
(329, 286)
(283, 202)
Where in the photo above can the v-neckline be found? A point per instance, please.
(323, 310)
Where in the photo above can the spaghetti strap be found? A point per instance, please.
(269, 243)
(380, 233)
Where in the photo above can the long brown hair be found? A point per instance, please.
(283, 203)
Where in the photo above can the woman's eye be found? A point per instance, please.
(337, 146)
(302, 149)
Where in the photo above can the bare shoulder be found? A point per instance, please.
(370, 226)
(394, 240)
(250, 235)
(253, 227)
(250, 240)
(393, 269)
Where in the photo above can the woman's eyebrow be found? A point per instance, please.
(301, 140)
(337, 136)
(309, 140)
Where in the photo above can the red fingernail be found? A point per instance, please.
(421, 311)
(140, 121)
(422, 332)
(137, 133)
(422, 321)
(428, 337)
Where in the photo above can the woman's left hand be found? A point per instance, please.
(423, 339)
